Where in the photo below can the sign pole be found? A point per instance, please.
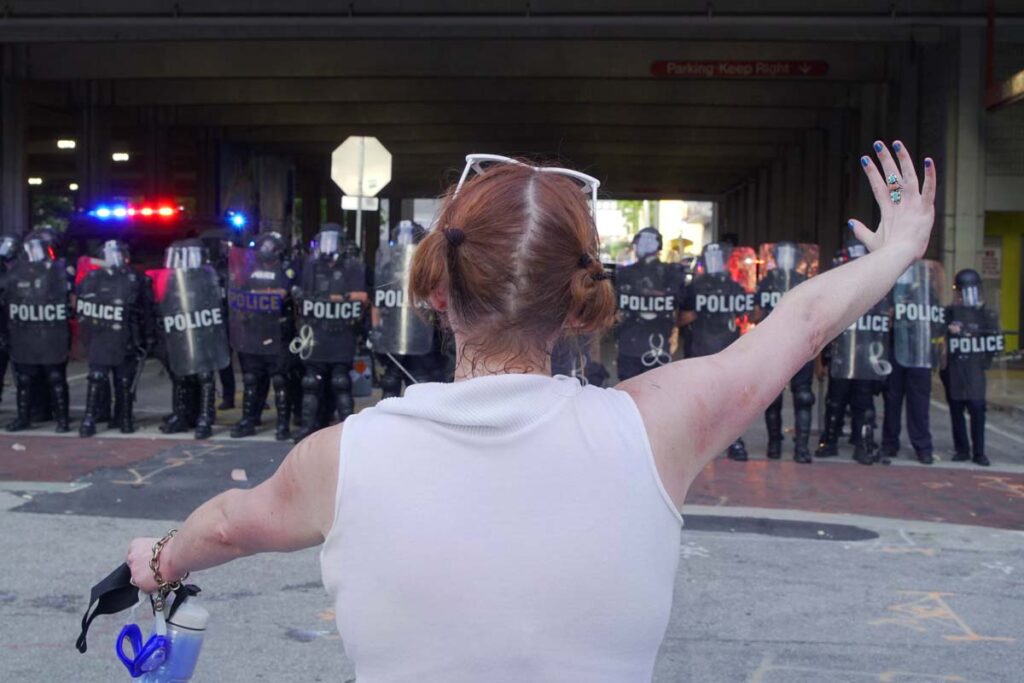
(359, 199)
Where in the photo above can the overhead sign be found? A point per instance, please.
(729, 68)
(361, 166)
(992, 263)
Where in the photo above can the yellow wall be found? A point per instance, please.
(1009, 226)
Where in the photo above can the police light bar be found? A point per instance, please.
(237, 219)
(124, 212)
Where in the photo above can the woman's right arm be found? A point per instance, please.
(694, 408)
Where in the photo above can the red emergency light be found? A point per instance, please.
(123, 212)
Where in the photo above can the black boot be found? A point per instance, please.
(737, 451)
(773, 422)
(207, 409)
(23, 399)
(127, 400)
(247, 425)
(117, 416)
(801, 435)
(310, 405)
(178, 420)
(93, 390)
(102, 411)
(283, 405)
(59, 393)
(341, 383)
(865, 451)
(827, 446)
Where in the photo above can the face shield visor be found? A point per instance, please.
(114, 254)
(856, 251)
(327, 244)
(268, 248)
(405, 234)
(37, 251)
(786, 256)
(970, 295)
(714, 259)
(646, 245)
(7, 246)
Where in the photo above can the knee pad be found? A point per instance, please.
(340, 380)
(391, 384)
(803, 397)
(97, 376)
(280, 382)
(311, 382)
(250, 378)
(23, 378)
(54, 376)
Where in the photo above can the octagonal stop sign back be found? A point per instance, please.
(361, 166)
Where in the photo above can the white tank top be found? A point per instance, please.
(507, 528)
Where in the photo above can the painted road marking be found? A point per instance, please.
(928, 609)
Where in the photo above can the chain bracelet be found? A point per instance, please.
(163, 587)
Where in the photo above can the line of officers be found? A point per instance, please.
(891, 350)
(294, 320)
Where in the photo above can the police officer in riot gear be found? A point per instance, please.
(647, 295)
(9, 248)
(37, 318)
(714, 304)
(261, 327)
(403, 339)
(218, 243)
(918, 327)
(113, 309)
(193, 333)
(859, 363)
(973, 337)
(776, 283)
(331, 300)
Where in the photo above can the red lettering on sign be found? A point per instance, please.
(771, 68)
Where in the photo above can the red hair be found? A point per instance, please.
(516, 253)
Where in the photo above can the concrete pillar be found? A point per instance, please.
(776, 205)
(763, 204)
(156, 154)
(832, 228)
(750, 216)
(13, 188)
(794, 197)
(965, 219)
(811, 188)
(307, 186)
(94, 140)
(207, 190)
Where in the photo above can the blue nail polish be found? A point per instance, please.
(849, 224)
(878, 146)
(864, 161)
(897, 146)
(928, 163)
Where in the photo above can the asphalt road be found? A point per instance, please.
(789, 573)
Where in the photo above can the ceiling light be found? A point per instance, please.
(73, 187)
(66, 144)
(120, 156)
(35, 181)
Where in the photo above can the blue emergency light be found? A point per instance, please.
(237, 219)
(123, 212)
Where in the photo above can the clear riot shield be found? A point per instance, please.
(257, 290)
(723, 303)
(191, 319)
(808, 260)
(37, 312)
(918, 315)
(973, 339)
(775, 279)
(862, 351)
(103, 310)
(647, 299)
(399, 329)
(327, 317)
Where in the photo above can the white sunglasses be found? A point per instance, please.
(478, 163)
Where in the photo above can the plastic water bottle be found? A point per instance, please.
(185, 630)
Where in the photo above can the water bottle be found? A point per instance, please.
(185, 630)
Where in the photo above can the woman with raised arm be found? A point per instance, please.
(513, 526)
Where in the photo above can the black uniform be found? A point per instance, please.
(973, 338)
(330, 305)
(261, 327)
(648, 295)
(114, 311)
(769, 291)
(37, 310)
(8, 252)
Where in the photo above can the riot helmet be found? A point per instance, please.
(407, 233)
(8, 247)
(37, 250)
(114, 253)
(185, 255)
(647, 243)
(327, 243)
(269, 247)
(855, 249)
(786, 255)
(967, 284)
(714, 258)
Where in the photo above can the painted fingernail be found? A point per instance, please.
(928, 163)
(849, 224)
(897, 146)
(878, 146)
(864, 161)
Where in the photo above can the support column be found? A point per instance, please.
(13, 188)
(307, 186)
(810, 188)
(207, 190)
(763, 204)
(965, 232)
(832, 228)
(776, 203)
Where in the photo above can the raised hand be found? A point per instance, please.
(907, 207)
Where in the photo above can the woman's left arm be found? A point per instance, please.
(291, 510)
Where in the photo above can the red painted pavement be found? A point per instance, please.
(968, 495)
(54, 458)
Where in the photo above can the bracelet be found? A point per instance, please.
(165, 587)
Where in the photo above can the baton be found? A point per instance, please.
(139, 367)
(821, 405)
(401, 367)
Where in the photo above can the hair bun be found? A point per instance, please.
(455, 236)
